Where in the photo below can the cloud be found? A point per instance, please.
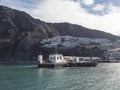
(19, 4)
(73, 12)
(98, 7)
(87, 2)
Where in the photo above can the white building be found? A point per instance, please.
(56, 58)
(112, 54)
(110, 46)
(81, 59)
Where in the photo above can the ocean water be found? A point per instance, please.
(19, 76)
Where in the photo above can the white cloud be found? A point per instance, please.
(70, 11)
(98, 7)
(17, 4)
(113, 8)
(88, 2)
(57, 10)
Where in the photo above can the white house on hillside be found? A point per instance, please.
(112, 54)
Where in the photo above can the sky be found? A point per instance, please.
(103, 15)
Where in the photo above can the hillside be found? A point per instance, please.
(80, 31)
(20, 34)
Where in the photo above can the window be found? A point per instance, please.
(60, 57)
(57, 57)
(50, 58)
(53, 58)
(80, 59)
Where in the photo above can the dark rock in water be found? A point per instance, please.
(20, 34)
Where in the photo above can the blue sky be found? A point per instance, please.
(95, 14)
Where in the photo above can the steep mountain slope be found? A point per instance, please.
(13, 23)
(20, 33)
(80, 31)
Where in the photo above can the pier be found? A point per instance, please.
(58, 60)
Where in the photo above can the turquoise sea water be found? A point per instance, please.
(106, 76)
